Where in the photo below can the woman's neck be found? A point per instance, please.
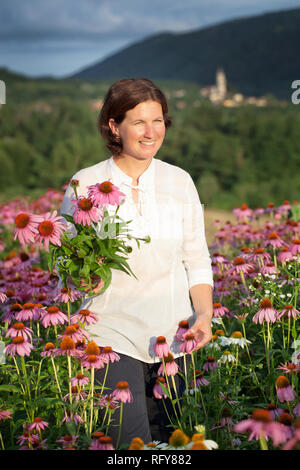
(132, 166)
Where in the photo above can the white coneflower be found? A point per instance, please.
(227, 357)
(238, 339)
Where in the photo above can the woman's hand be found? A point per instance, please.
(201, 329)
(98, 286)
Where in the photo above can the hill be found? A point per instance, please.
(258, 55)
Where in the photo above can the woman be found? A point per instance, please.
(172, 270)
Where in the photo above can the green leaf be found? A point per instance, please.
(9, 388)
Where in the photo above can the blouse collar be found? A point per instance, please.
(146, 178)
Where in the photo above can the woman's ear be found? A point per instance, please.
(113, 127)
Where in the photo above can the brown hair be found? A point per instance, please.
(122, 96)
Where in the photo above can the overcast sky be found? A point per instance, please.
(59, 37)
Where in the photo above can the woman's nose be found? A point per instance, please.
(149, 131)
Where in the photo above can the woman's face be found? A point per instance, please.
(142, 131)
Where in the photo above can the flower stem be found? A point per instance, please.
(120, 427)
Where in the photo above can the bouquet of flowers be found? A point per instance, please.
(98, 244)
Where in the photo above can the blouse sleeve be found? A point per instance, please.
(195, 254)
(67, 208)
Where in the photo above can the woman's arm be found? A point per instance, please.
(202, 299)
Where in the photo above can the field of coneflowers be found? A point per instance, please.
(241, 389)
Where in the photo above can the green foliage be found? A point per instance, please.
(246, 154)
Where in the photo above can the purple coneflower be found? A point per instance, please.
(243, 212)
(49, 350)
(53, 316)
(268, 268)
(289, 368)
(92, 357)
(285, 391)
(189, 343)
(95, 440)
(19, 346)
(266, 312)
(38, 424)
(170, 365)
(220, 310)
(50, 230)
(85, 316)
(284, 255)
(67, 348)
(74, 332)
(5, 414)
(108, 354)
(102, 194)
(19, 329)
(157, 390)
(292, 443)
(274, 240)
(66, 295)
(27, 312)
(3, 297)
(67, 440)
(200, 379)
(105, 443)
(210, 364)
(122, 392)
(295, 246)
(288, 311)
(26, 227)
(79, 380)
(183, 326)
(161, 347)
(84, 211)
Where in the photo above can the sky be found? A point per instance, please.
(60, 37)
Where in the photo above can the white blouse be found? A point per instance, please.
(133, 312)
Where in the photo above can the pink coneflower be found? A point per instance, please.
(183, 327)
(108, 401)
(85, 316)
(3, 297)
(68, 418)
(74, 332)
(210, 364)
(170, 365)
(53, 316)
(296, 410)
(19, 329)
(38, 424)
(68, 440)
(84, 211)
(219, 310)
(274, 240)
(161, 347)
(79, 380)
(289, 368)
(295, 246)
(292, 443)
(19, 346)
(66, 295)
(77, 394)
(105, 443)
(157, 390)
(95, 440)
(49, 350)
(266, 312)
(288, 311)
(27, 313)
(5, 414)
(67, 348)
(274, 410)
(243, 212)
(107, 353)
(189, 343)
(122, 392)
(285, 391)
(102, 194)
(268, 268)
(50, 230)
(226, 417)
(284, 255)
(200, 379)
(257, 254)
(228, 399)
(26, 227)
(92, 358)
(240, 265)
(258, 425)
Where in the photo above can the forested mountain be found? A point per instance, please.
(258, 55)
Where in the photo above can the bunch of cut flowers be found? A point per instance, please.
(83, 247)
